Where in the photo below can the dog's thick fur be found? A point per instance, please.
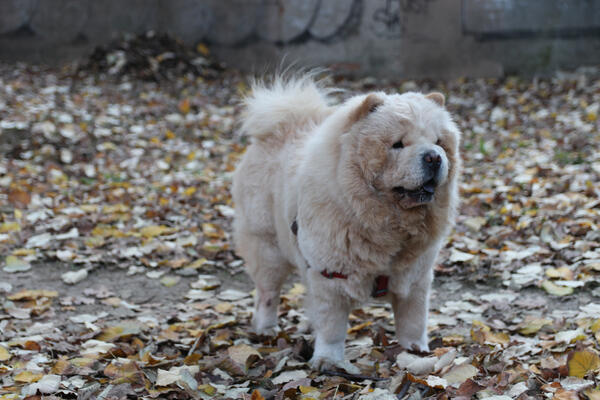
(352, 177)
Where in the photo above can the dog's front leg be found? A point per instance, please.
(411, 307)
(410, 319)
(328, 312)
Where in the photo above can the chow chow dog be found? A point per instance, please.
(357, 196)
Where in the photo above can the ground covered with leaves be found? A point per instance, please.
(118, 278)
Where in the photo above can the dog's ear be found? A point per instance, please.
(437, 97)
(368, 105)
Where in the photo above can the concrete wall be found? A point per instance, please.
(394, 38)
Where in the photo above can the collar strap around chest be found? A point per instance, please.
(331, 275)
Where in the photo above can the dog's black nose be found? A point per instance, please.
(432, 161)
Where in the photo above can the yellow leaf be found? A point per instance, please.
(359, 327)
(532, 325)
(154, 230)
(114, 332)
(32, 294)
(560, 273)
(107, 231)
(555, 289)
(212, 230)
(115, 208)
(15, 264)
(94, 241)
(307, 389)
(23, 252)
(595, 326)
(202, 49)
(189, 191)
(4, 354)
(583, 362)
(206, 388)
(27, 377)
(297, 289)
(453, 340)
(83, 362)
(170, 134)
(89, 208)
(9, 227)
(481, 333)
(196, 264)
(169, 280)
(184, 106)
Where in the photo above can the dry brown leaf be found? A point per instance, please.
(243, 355)
(19, 198)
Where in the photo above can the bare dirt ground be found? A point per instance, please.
(118, 279)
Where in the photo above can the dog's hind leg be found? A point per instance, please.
(268, 269)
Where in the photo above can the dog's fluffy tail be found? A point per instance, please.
(283, 105)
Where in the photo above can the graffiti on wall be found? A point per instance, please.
(275, 21)
(283, 22)
(390, 20)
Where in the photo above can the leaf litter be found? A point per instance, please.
(113, 168)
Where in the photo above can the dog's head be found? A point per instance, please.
(404, 147)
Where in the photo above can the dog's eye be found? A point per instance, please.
(438, 143)
(398, 145)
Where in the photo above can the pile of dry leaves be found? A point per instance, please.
(132, 177)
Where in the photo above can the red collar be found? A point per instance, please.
(331, 275)
(380, 288)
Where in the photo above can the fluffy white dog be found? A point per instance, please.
(358, 196)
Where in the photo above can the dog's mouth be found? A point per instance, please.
(421, 195)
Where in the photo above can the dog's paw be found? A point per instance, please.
(420, 345)
(266, 331)
(323, 364)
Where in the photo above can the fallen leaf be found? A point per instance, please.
(15, 264)
(460, 373)
(592, 394)
(28, 377)
(4, 354)
(184, 106)
(243, 355)
(73, 277)
(288, 376)
(32, 294)
(19, 198)
(556, 290)
(532, 325)
(583, 362)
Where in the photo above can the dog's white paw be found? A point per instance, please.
(418, 345)
(323, 364)
(264, 328)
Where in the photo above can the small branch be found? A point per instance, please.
(352, 377)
